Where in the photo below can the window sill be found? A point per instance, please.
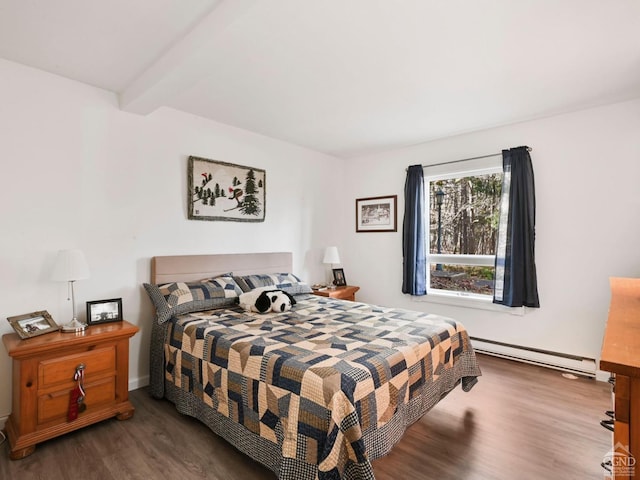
(467, 302)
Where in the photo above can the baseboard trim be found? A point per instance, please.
(136, 383)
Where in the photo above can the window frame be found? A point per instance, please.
(487, 166)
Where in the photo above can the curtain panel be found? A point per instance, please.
(414, 273)
(516, 280)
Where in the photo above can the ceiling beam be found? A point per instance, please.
(184, 63)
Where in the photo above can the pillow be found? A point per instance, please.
(179, 297)
(287, 282)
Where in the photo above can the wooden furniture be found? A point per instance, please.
(621, 356)
(342, 293)
(43, 378)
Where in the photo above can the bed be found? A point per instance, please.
(314, 393)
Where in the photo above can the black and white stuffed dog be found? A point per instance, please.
(266, 300)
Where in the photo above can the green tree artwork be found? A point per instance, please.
(225, 191)
(251, 204)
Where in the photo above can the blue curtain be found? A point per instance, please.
(516, 280)
(414, 274)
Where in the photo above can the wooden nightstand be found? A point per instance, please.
(43, 378)
(343, 293)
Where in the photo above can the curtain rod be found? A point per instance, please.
(467, 159)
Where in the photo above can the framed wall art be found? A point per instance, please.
(225, 191)
(377, 214)
(33, 324)
(104, 311)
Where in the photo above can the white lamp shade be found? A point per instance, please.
(331, 255)
(70, 265)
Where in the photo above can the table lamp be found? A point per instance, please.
(71, 266)
(331, 257)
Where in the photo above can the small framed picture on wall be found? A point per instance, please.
(377, 214)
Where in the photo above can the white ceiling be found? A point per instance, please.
(345, 77)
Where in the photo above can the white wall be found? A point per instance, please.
(75, 171)
(587, 173)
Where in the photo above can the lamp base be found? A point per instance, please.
(73, 326)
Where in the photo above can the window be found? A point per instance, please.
(464, 211)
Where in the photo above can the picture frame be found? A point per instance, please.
(33, 324)
(377, 214)
(104, 311)
(339, 280)
(222, 191)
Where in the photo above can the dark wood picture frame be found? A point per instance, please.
(339, 280)
(377, 214)
(33, 324)
(104, 311)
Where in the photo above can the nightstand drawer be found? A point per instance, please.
(55, 405)
(57, 371)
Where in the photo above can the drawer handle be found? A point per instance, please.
(79, 371)
(79, 377)
(608, 424)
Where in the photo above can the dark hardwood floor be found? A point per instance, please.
(519, 421)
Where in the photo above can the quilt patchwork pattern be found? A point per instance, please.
(282, 281)
(179, 297)
(315, 380)
(179, 293)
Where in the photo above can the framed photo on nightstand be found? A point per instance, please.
(33, 324)
(338, 277)
(104, 311)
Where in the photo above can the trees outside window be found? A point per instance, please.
(464, 210)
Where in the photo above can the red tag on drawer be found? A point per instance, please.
(73, 404)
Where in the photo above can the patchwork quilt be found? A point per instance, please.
(324, 383)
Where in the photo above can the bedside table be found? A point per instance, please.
(342, 293)
(43, 378)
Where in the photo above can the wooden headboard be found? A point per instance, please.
(188, 268)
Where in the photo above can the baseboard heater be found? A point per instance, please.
(545, 358)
